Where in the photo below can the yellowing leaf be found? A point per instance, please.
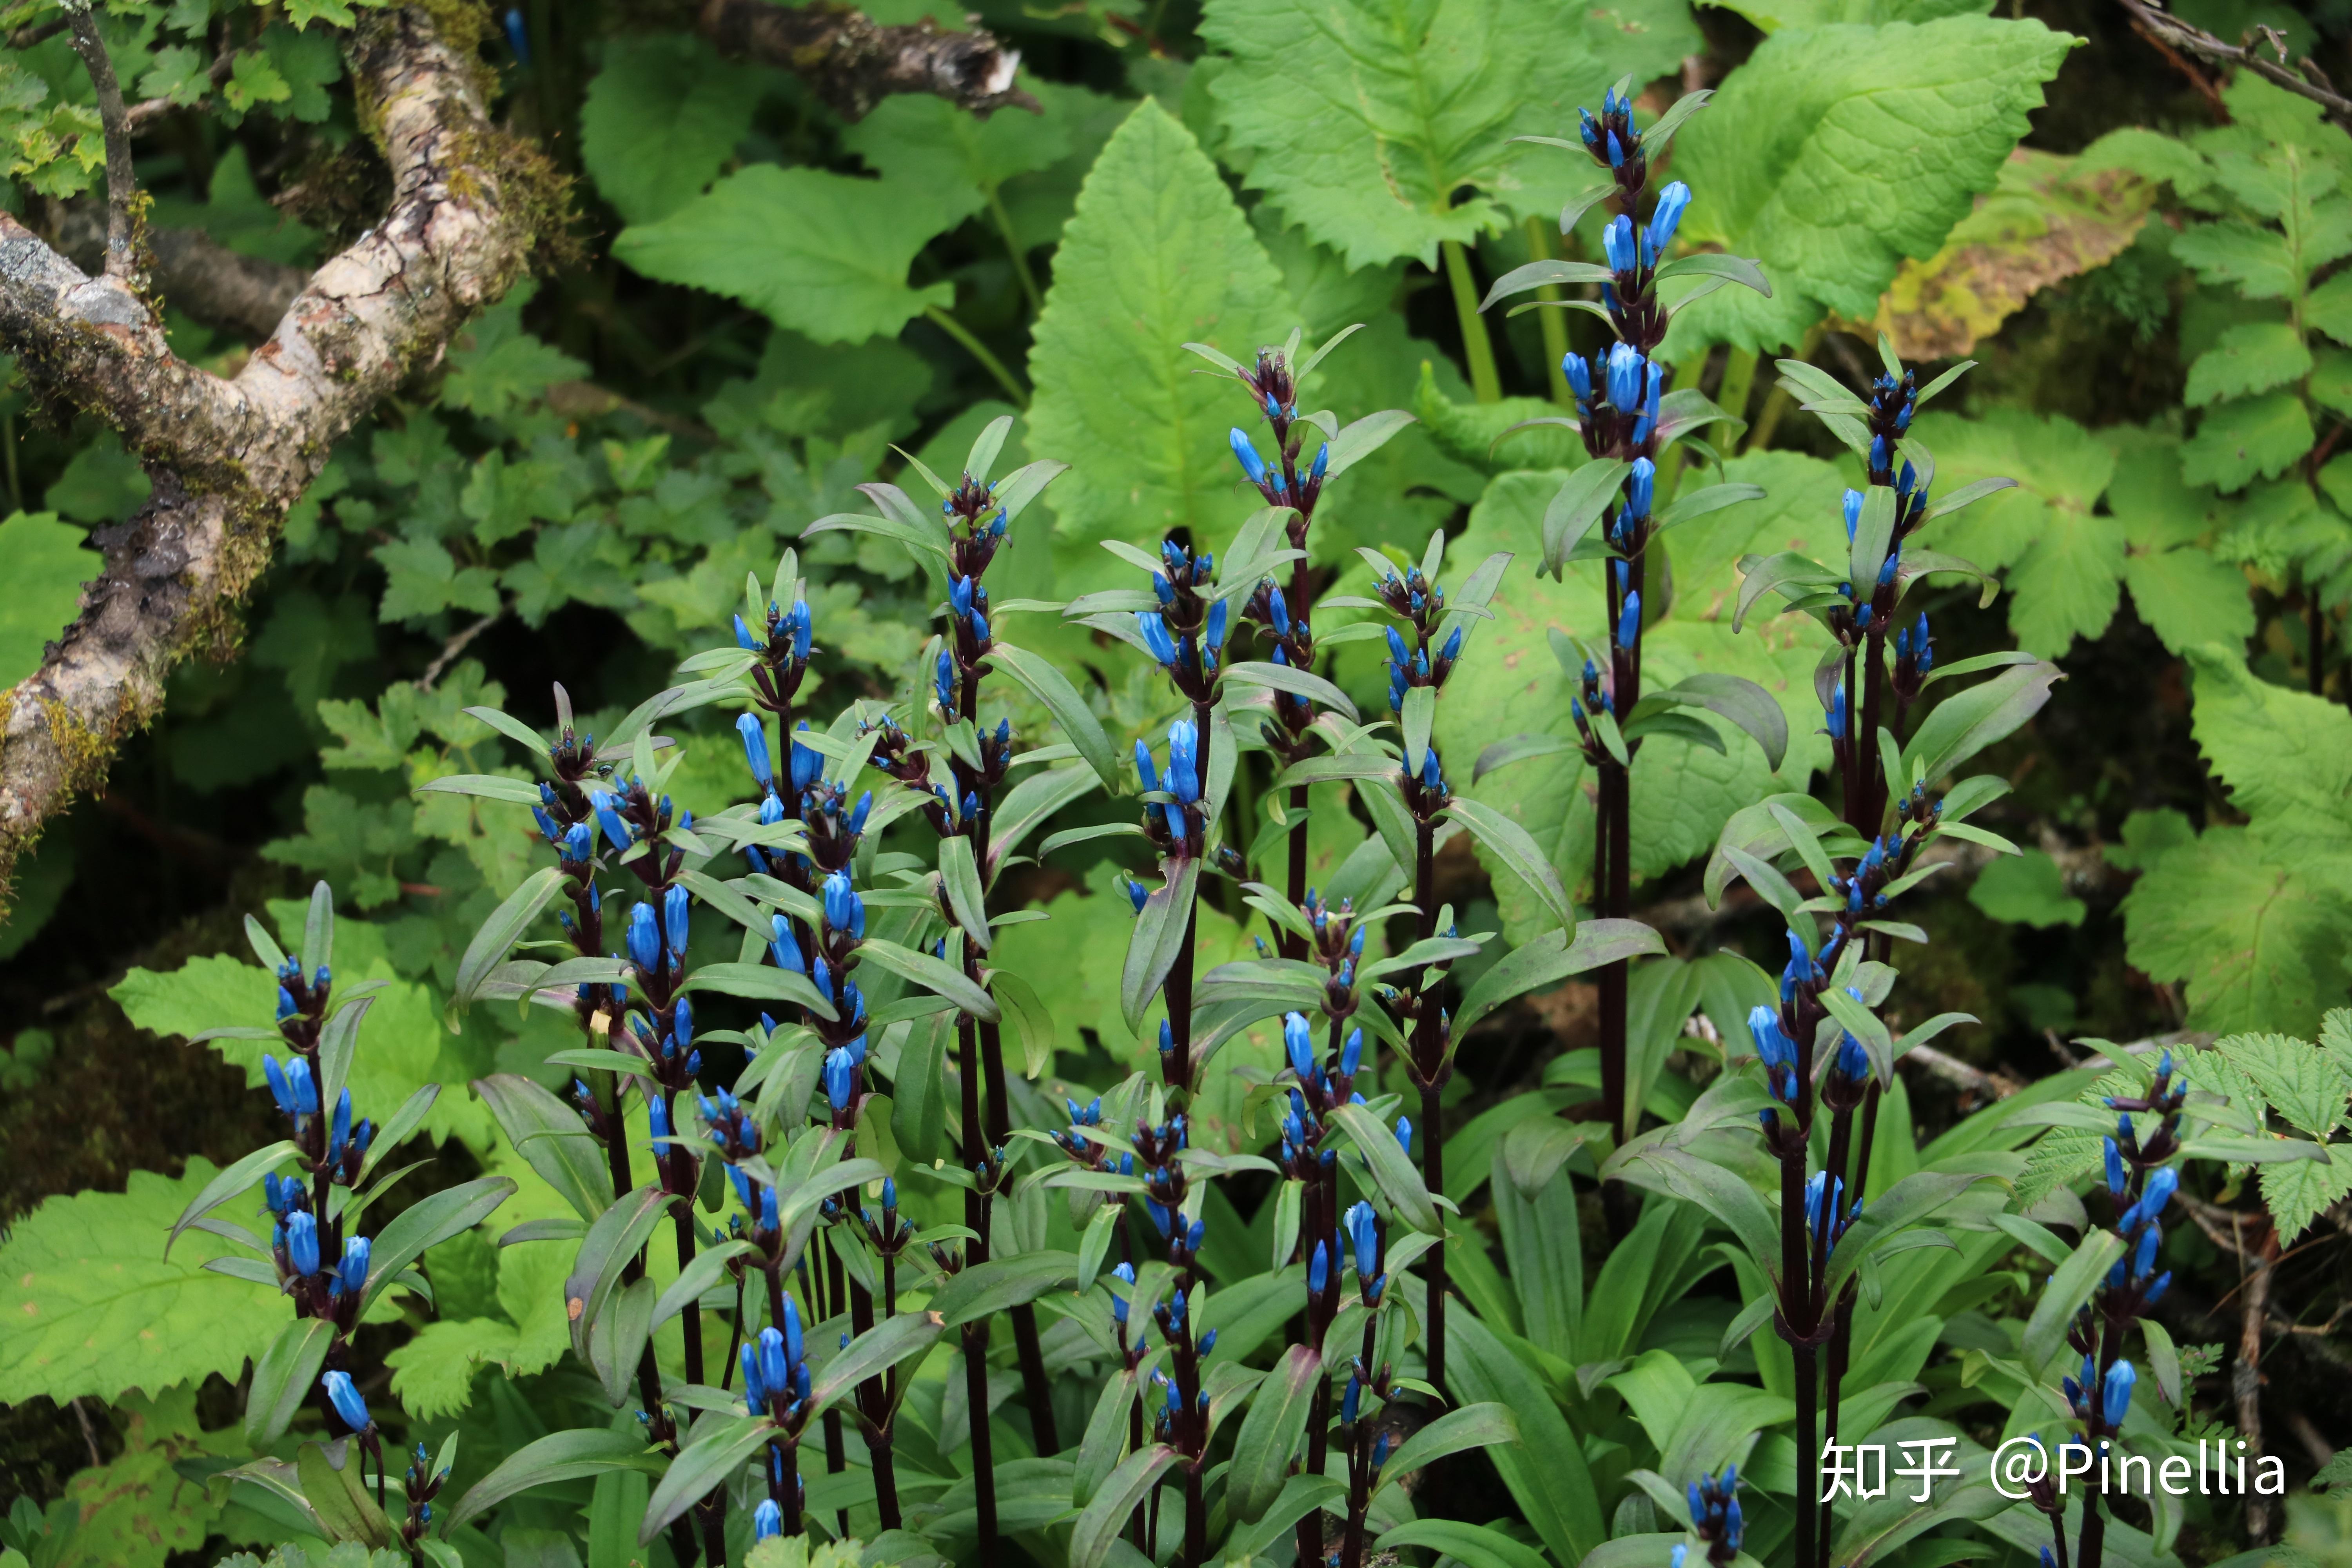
(2043, 222)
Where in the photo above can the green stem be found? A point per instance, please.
(979, 350)
(1554, 322)
(1779, 403)
(1739, 382)
(1013, 248)
(1484, 381)
(1670, 470)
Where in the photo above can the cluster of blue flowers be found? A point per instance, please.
(1714, 1504)
(1176, 825)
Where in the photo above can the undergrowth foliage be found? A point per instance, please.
(989, 1063)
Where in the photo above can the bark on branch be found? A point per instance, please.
(2305, 79)
(854, 62)
(229, 456)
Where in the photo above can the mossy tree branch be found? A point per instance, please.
(228, 457)
(854, 62)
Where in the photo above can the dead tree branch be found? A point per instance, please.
(2305, 79)
(121, 178)
(227, 457)
(854, 62)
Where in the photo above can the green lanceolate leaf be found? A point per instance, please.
(560, 1456)
(1097, 1527)
(710, 1460)
(1001, 1283)
(1510, 842)
(939, 978)
(428, 1222)
(1270, 1434)
(284, 1377)
(1161, 933)
(550, 1135)
(501, 931)
(1470, 1427)
(1400, 1182)
(1552, 958)
(238, 1178)
(1077, 723)
(612, 1242)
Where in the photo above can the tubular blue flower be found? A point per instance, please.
(2114, 1170)
(1625, 366)
(1363, 1229)
(959, 596)
(2144, 1255)
(1245, 453)
(345, 1398)
(859, 812)
(1137, 895)
(1879, 457)
(578, 843)
(840, 1077)
(1616, 151)
(1156, 641)
(351, 1274)
(844, 911)
(1617, 244)
(797, 621)
(1853, 1060)
(302, 1242)
(1628, 620)
(1773, 1044)
(1299, 1045)
(767, 1521)
(1838, 712)
(1322, 464)
(755, 748)
(1351, 1401)
(1183, 762)
(645, 937)
(784, 948)
(943, 684)
(1277, 611)
(755, 1391)
(1404, 1134)
(1580, 377)
(2162, 1183)
(807, 762)
(2115, 1393)
(1351, 1055)
(1667, 216)
(1641, 487)
(658, 1116)
(1318, 1270)
(340, 1130)
(281, 1089)
(1118, 1306)
(1853, 504)
(676, 904)
(744, 638)
(1214, 634)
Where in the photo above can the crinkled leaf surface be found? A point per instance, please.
(1837, 152)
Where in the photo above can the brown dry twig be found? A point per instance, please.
(2305, 79)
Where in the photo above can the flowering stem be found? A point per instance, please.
(1476, 348)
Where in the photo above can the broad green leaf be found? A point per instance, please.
(2237, 443)
(2026, 889)
(958, 158)
(1366, 123)
(2187, 597)
(550, 1135)
(284, 1377)
(1471, 1545)
(47, 564)
(1097, 1528)
(84, 1286)
(2253, 927)
(1158, 255)
(2254, 356)
(820, 253)
(432, 1374)
(2297, 1192)
(2286, 755)
(1810, 160)
(990, 1288)
(2303, 1084)
(660, 120)
(712, 1459)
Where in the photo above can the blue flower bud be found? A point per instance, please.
(1322, 461)
(840, 1077)
(1154, 631)
(302, 1242)
(1404, 1134)
(2116, 1176)
(645, 937)
(767, 1521)
(943, 684)
(807, 762)
(1616, 152)
(345, 1398)
(1351, 1401)
(1642, 487)
(1852, 503)
(2117, 1394)
(785, 947)
(1318, 1270)
(1617, 244)
(744, 638)
(1299, 1044)
(1879, 455)
(1629, 621)
(1184, 763)
(1245, 453)
(1673, 202)
(755, 748)
(844, 911)
(1625, 367)
(1216, 631)
(1363, 1229)
(1580, 377)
